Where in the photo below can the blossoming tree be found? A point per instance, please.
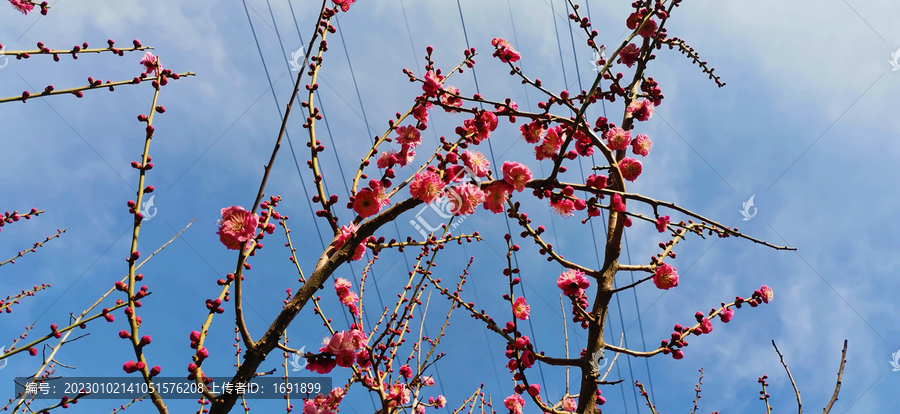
(408, 176)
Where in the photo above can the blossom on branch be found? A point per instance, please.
(505, 51)
(516, 174)
(236, 226)
(521, 308)
(464, 198)
(22, 6)
(665, 277)
(426, 186)
(631, 168)
(572, 282)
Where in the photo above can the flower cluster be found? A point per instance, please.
(348, 298)
(324, 404)
(505, 51)
(343, 349)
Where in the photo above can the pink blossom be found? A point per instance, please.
(496, 195)
(665, 277)
(505, 51)
(569, 404)
(572, 282)
(661, 223)
(648, 29)
(449, 100)
(428, 381)
(726, 315)
(617, 203)
(464, 198)
(480, 127)
(398, 395)
(521, 309)
(642, 110)
(420, 112)
(22, 6)
(629, 55)
(596, 181)
(617, 138)
(516, 175)
(236, 226)
(705, 326)
(369, 201)
(387, 159)
(767, 293)
(346, 232)
(342, 287)
(408, 136)
(432, 83)
(151, 64)
(345, 5)
(630, 168)
(426, 186)
(641, 145)
(405, 156)
(552, 142)
(532, 131)
(583, 144)
(476, 162)
(514, 403)
(634, 19)
(563, 206)
(366, 203)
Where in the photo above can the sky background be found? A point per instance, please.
(806, 124)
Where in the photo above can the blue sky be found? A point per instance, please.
(806, 124)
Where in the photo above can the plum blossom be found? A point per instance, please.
(369, 201)
(630, 168)
(426, 186)
(726, 315)
(439, 402)
(705, 326)
(572, 282)
(349, 299)
(569, 404)
(648, 29)
(151, 64)
(346, 232)
(641, 145)
(767, 293)
(514, 403)
(344, 5)
(617, 203)
(550, 145)
(420, 112)
(641, 110)
(408, 136)
(521, 308)
(387, 159)
(596, 181)
(532, 131)
(516, 174)
(505, 51)
(661, 223)
(22, 6)
(476, 162)
(496, 195)
(464, 198)
(617, 138)
(665, 277)
(563, 206)
(583, 144)
(432, 83)
(449, 100)
(629, 55)
(236, 226)
(398, 395)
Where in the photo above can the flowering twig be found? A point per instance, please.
(33, 248)
(5, 304)
(97, 84)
